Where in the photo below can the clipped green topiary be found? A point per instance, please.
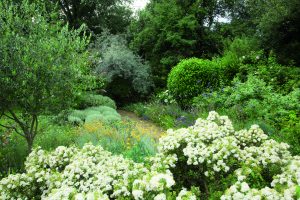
(191, 77)
(75, 120)
(110, 118)
(89, 100)
(94, 118)
(103, 109)
(104, 114)
(80, 114)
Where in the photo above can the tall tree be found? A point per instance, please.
(274, 23)
(40, 64)
(170, 30)
(114, 15)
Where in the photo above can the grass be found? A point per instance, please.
(166, 116)
(122, 137)
(172, 116)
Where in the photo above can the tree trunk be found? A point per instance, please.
(31, 133)
(29, 130)
(29, 144)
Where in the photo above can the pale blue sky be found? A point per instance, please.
(139, 4)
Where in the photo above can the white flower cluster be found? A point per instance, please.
(186, 195)
(211, 147)
(152, 185)
(67, 172)
(87, 173)
(242, 191)
(214, 146)
(290, 176)
(66, 193)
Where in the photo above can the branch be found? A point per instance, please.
(8, 127)
(14, 128)
(22, 125)
(36, 127)
(32, 123)
(66, 10)
(8, 116)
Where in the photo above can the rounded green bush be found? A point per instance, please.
(88, 100)
(77, 114)
(93, 114)
(74, 120)
(103, 109)
(191, 77)
(94, 118)
(112, 118)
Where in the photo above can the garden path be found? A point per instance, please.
(143, 126)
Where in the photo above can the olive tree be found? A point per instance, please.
(127, 75)
(41, 62)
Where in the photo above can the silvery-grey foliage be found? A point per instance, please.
(117, 61)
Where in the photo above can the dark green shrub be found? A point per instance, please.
(282, 78)
(255, 100)
(192, 77)
(290, 132)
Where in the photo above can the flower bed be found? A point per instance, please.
(207, 160)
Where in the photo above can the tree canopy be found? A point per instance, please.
(41, 62)
(98, 15)
(168, 31)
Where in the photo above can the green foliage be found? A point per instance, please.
(88, 100)
(41, 65)
(252, 99)
(279, 26)
(273, 24)
(13, 153)
(237, 53)
(298, 192)
(165, 115)
(119, 137)
(241, 46)
(192, 77)
(127, 76)
(169, 31)
(209, 160)
(74, 120)
(94, 114)
(290, 132)
(96, 14)
(255, 100)
(165, 97)
(113, 136)
(283, 79)
(90, 118)
(243, 57)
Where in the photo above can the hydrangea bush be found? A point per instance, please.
(209, 160)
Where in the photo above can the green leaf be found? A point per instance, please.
(298, 191)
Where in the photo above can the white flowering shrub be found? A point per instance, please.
(207, 160)
(165, 97)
